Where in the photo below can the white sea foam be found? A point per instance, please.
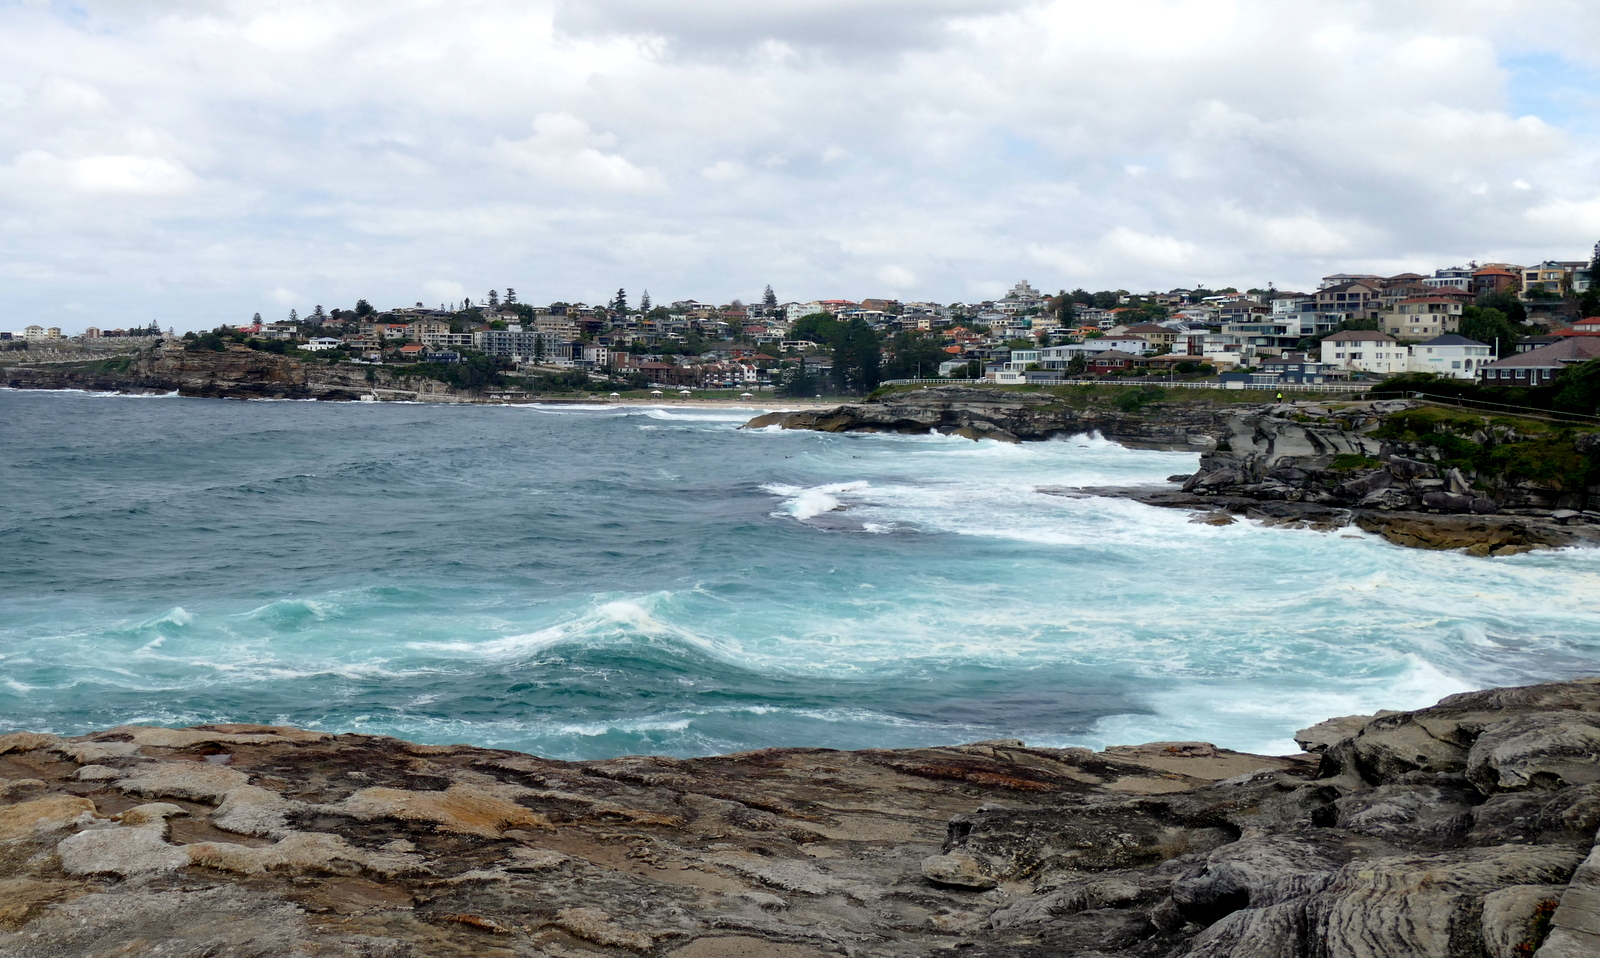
(177, 615)
(808, 503)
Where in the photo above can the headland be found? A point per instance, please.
(1419, 474)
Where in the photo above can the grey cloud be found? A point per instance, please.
(867, 28)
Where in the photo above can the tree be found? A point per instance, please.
(1507, 303)
(364, 308)
(620, 304)
(769, 299)
(856, 356)
(644, 302)
(494, 299)
(511, 296)
(816, 327)
(1589, 301)
(294, 317)
(1489, 325)
(1078, 364)
(256, 319)
(1579, 388)
(797, 381)
(913, 356)
(318, 316)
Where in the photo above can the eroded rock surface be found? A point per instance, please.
(1465, 829)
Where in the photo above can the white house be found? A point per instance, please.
(1450, 355)
(319, 343)
(1365, 350)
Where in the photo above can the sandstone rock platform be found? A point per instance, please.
(1465, 829)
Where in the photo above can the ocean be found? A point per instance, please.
(593, 581)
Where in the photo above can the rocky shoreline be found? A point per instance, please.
(235, 373)
(1464, 829)
(1393, 468)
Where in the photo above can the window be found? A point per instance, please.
(1522, 374)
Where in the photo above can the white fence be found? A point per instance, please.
(1262, 387)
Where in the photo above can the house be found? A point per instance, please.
(1154, 334)
(1356, 299)
(1456, 277)
(1539, 367)
(1450, 355)
(1496, 278)
(1422, 317)
(320, 343)
(1296, 369)
(1113, 360)
(1364, 350)
(1530, 343)
(1547, 278)
(412, 352)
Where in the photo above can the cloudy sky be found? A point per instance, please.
(196, 161)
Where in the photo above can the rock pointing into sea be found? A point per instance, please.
(1464, 829)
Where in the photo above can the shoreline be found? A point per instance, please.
(758, 404)
(1467, 827)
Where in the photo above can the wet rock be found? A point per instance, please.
(958, 871)
(1549, 750)
(1255, 873)
(1453, 830)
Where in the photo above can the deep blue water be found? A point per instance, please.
(588, 582)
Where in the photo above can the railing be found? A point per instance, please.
(1286, 388)
(1527, 412)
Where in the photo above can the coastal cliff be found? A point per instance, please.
(1421, 476)
(235, 373)
(1466, 829)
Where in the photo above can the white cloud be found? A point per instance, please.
(1144, 250)
(723, 171)
(564, 152)
(443, 291)
(897, 277)
(193, 160)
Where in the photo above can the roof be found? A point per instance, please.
(1431, 298)
(1563, 353)
(1112, 354)
(1359, 336)
(1451, 339)
(1494, 271)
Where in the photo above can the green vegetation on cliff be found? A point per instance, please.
(1501, 450)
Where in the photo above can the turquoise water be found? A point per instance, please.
(589, 582)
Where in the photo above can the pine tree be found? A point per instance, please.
(769, 299)
(294, 317)
(511, 296)
(494, 299)
(621, 304)
(644, 302)
(256, 319)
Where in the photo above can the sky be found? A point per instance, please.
(198, 161)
